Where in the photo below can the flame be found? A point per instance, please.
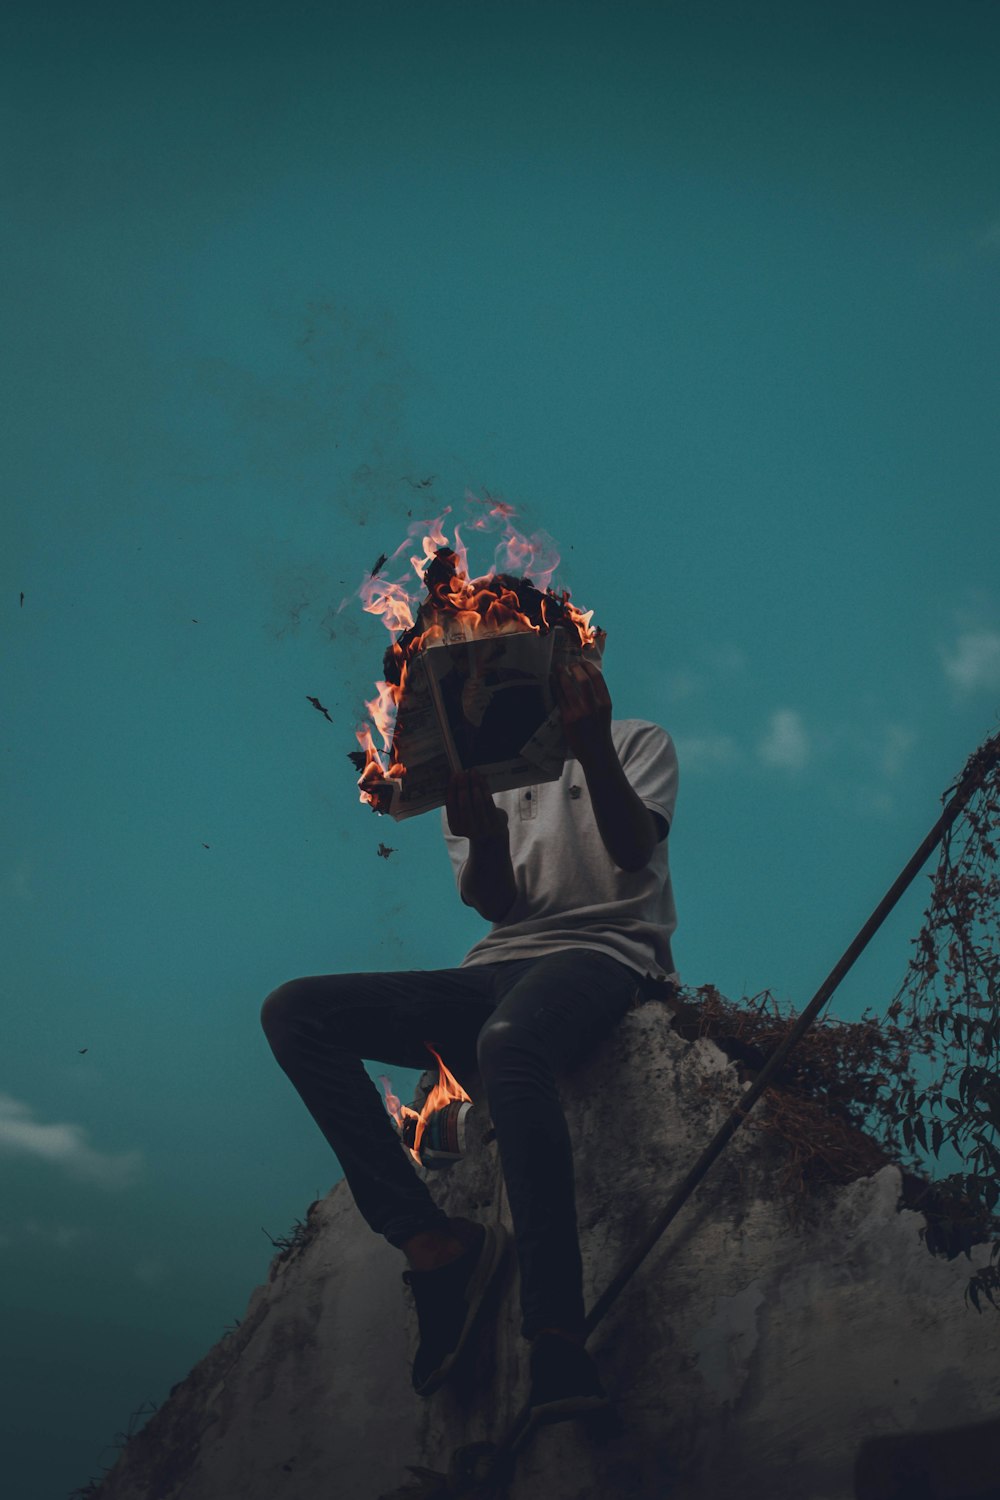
(482, 605)
(443, 1092)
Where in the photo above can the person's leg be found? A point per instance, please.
(555, 1010)
(321, 1027)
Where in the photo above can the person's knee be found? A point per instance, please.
(279, 1007)
(496, 1039)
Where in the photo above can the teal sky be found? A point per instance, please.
(706, 291)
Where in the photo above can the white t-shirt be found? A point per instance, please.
(570, 892)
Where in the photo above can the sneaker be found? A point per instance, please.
(448, 1300)
(564, 1384)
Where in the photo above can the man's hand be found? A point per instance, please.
(627, 827)
(472, 813)
(585, 708)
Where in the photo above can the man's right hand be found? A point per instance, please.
(472, 813)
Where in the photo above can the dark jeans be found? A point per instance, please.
(516, 1023)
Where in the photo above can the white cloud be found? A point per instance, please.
(684, 685)
(786, 744)
(705, 752)
(726, 657)
(879, 750)
(63, 1145)
(897, 742)
(59, 1236)
(974, 662)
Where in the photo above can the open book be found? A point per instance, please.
(485, 702)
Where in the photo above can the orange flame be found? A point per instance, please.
(443, 1092)
(457, 598)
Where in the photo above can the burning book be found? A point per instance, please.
(469, 686)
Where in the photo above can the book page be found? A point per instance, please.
(481, 702)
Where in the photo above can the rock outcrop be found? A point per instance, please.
(750, 1355)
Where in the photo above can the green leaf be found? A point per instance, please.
(991, 1156)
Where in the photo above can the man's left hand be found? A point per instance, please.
(585, 708)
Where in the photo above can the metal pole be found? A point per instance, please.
(972, 778)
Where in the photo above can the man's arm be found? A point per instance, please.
(628, 829)
(488, 882)
(488, 878)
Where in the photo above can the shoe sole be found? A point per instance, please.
(490, 1259)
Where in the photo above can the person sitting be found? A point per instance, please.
(573, 876)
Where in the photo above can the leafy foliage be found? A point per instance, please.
(950, 999)
(923, 1079)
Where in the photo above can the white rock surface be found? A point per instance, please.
(749, 1355)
